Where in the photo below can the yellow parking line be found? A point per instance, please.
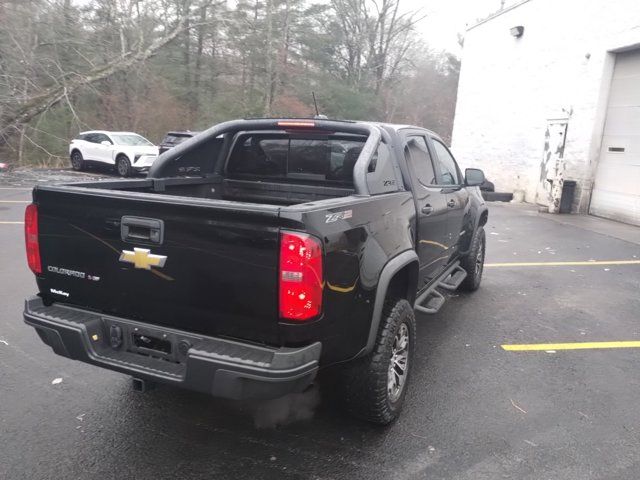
(569, 346)
(11, 223)
(563, 264)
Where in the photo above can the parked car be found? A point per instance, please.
(128, 152)
(171, 139)
(277, 260)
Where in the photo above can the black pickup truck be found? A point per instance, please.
(256, 254)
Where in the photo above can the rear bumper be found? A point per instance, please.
(220, 367)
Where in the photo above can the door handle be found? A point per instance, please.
(139, 229)
(427, 209)
(451, 203)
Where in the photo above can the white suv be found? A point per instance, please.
(128, 151)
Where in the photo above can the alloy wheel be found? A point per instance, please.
(122, 167)
(480, 258)
(398, 364)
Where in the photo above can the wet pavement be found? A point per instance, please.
(473, 411)
(27, 177)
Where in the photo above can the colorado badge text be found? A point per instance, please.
(143, 258)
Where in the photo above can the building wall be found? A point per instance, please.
(560, 68)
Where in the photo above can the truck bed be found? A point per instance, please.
(220, 238)
(236, 190)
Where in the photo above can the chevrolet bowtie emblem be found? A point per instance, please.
(143, 258)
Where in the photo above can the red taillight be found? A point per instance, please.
(31, 238)
(300, 276)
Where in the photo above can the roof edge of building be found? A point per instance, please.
(497, 14)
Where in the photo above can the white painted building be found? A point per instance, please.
(560, 102)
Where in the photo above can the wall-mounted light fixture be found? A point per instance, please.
(517, 31)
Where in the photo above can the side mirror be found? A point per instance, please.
(106, 142)
(473, 177)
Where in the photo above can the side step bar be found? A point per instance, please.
(431, 300)
(453, 281)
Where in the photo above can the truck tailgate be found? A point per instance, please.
(219, 276)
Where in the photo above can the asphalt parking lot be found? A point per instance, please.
(474, 410)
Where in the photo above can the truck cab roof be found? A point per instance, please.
(396, 127)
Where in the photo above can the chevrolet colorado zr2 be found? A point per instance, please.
(256, 254)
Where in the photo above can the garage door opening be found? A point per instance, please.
(616, 192)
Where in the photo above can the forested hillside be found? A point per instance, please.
(156, 65)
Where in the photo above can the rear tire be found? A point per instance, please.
(374, 387)
(473, 262)
(77, 161)
(123, 166)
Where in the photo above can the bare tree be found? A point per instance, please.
(376, 37)
(67, 83)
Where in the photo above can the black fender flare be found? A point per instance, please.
(482, 210)
(392, 267)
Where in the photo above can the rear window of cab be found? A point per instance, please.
(327, 158)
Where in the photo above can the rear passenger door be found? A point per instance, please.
(89, 147)
(451, 181)
(104, 153)
(431, 209)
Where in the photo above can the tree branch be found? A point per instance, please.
(37, 104)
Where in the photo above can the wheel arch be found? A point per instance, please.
(74, 150)
(398, 277)
(480, 220)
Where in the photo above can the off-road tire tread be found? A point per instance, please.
(471, 283)
(364, 381)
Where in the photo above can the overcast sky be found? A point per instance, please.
(446, 18)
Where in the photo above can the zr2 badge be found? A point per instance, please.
(334, 217)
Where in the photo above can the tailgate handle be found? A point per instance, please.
(140, 229)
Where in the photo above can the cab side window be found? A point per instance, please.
(448, 174)
(418, 157)
(101, 137)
